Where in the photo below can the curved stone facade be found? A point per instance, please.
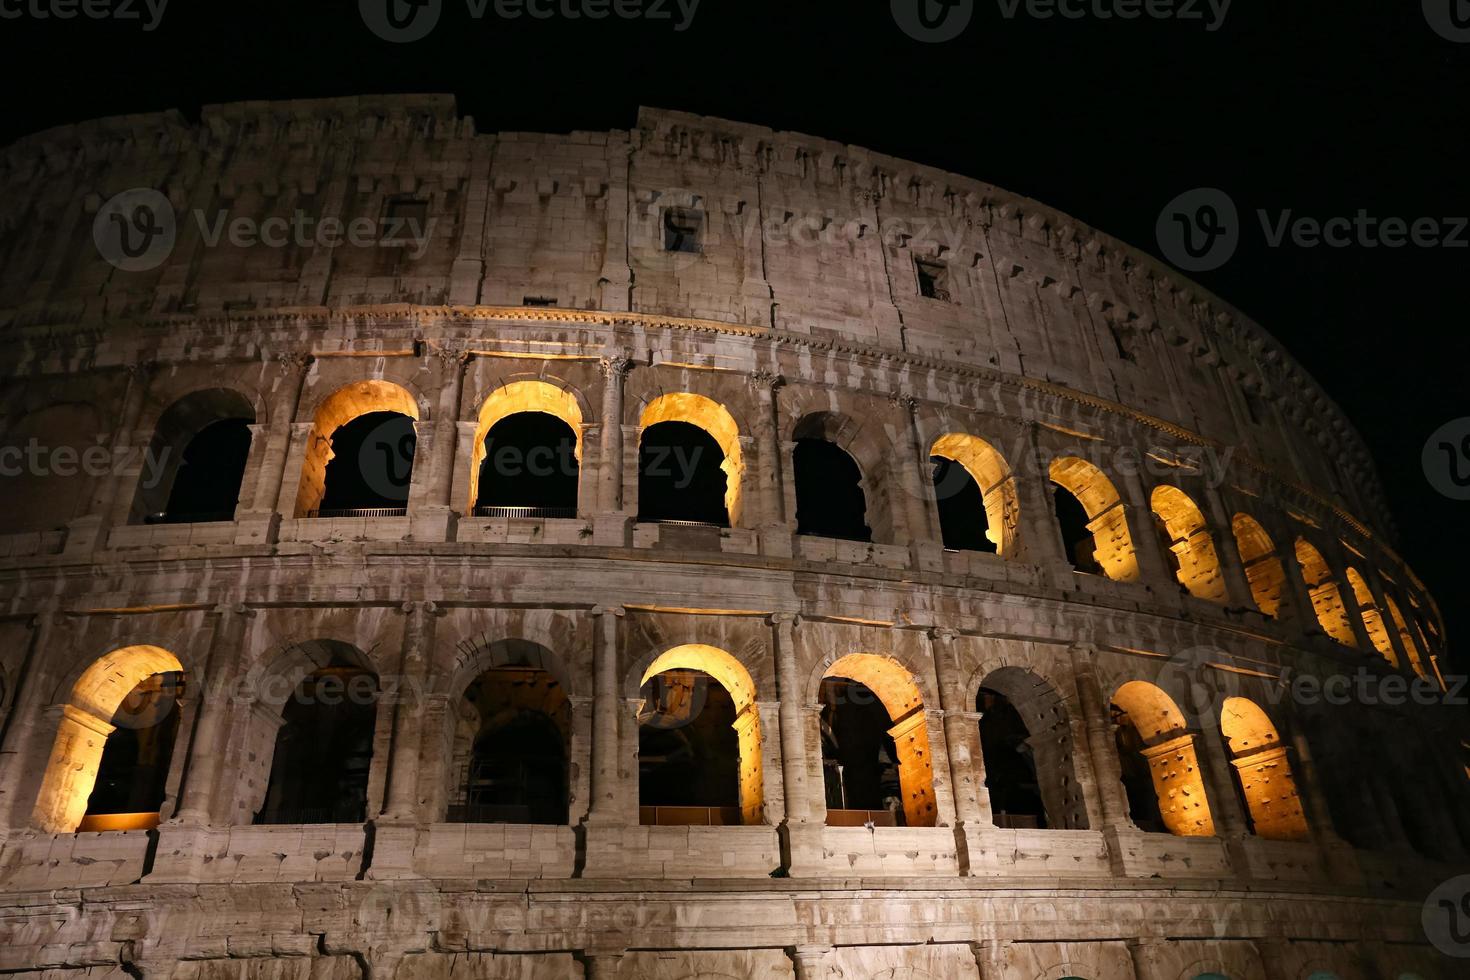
(1204, 678)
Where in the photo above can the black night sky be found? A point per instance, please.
(1320, 108)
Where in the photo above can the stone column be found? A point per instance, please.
(606, 706)
(578, 757)
(20, 723)
(1150, 960)
(610, 454)
(770, 504)
(918, 511)
(1225, 806)
(601, 964)
(1309, 785)
(452, 362)
(1237, 584)
(1153, 570)
(793, 747)
(810, 962)
(1041, 535)
(265, 491)
(1102, 747)
(402, 803)
(961, 734)
(111, 501)
(991, 956)
(197, 804)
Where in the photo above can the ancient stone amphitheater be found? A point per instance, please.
(695, 551)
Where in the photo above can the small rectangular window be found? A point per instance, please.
(683, 230)
(1120, 341)
(933, 279)
(405, 221)
(538, 301)
(1253, 407)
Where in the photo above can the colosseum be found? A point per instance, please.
(695, 552)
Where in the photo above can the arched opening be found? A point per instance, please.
(976, 494)
(830, 502)
(1262, 772)
(1160, 767)
(510, 749)
(1263, 568)
(1026, 742)
(699, 738)
(1188, 542)
(196, 460)
(324, 745)
(1097, 539)
(530, 468)
(1410, 648)
(109, 764)
(519, 479)
(1326, 599)
(359, 460)
(689, 462)
(875, 744)
(1372, 618)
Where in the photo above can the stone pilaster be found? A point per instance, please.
(606, 706)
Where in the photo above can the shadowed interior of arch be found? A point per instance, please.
(114, 744)
(1097, 539)
(975, 493)
(359, 457)
(510, 748)
(1026, 743)
(873, 724)
(830, 502)
(519, 420)
(1159, 763)
(196, 460)
(699, 740)
(323, 747)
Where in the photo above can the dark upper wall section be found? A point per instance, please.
(796, 233)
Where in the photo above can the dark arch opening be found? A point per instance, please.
(324, 749)
(207, 485)
(1077, 538)
(859, 759)
(829, 492)
(1138, 779)
(371, 467)
(515, 769)
(962, 517)
(679, 476)
(132, 775)
(688, 751)
(1010, 764)
(530, 468)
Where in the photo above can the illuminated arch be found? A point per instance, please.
(1372, 617)
(1106, 519)
(1190, 541)
(1263, 568)
(1263, 770)
(1326, 598)
(336, 410)
(86, 722)
(736, 680)
(988, 468)
(1169, 750)
(899, 694)
(713, 418)
(513, 399)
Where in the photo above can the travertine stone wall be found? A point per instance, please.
(543, 283)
